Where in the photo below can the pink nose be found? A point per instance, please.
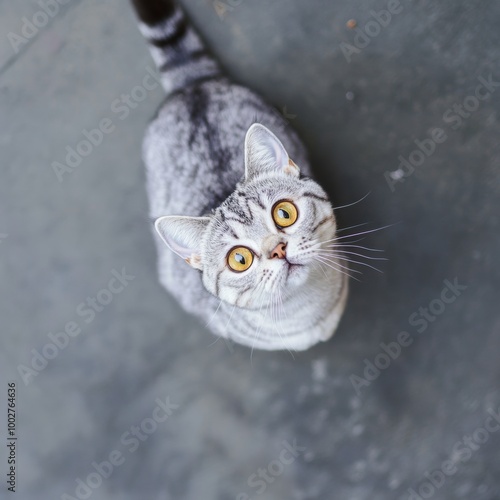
(279, 251)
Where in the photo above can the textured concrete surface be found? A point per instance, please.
(231, 411)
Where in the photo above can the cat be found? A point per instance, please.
(231, 195)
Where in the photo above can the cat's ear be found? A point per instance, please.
(264, 153)
(183, 236)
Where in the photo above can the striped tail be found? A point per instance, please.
(175, 46)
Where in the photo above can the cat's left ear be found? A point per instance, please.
(264, 153)
(183, 236)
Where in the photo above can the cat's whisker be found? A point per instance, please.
(322, 270)
(351, 204)
(325, 255)
(347, 245)
(332, 251)
(337, 238)
(357, 262)
(272, 305)
(320, 265)
(213, 316)
(360, 233)
(225, 328)
(322, 244)
(230, 317)
(349, 242)
(352, 227)
(215, 341)
(329, 264)
(280, 306)
(256, 338)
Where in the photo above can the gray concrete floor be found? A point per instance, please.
(61, 241)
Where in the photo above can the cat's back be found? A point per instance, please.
(194, 148)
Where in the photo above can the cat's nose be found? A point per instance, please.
(279, 251)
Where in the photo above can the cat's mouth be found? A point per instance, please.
(292, 268)
(294, 273)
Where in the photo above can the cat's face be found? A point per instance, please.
(260, 239)
(261, 242)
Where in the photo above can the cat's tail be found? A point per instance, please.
(175, 46)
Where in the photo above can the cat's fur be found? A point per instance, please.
(209, 164)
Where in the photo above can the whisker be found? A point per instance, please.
(348, 242)
(272, 311)
(322, 270)
(230, 317)
(319, 243)
(351, 204)
(360, 233)
(346, 245)
(225, 328)
(360, 263)
(330, 265)
(327, 255)
(332, 250)
(352, 227)
(279, 304)
(366, 232)
(213, 316)
(261, 296)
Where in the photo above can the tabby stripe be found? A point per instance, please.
(198, 81)
(245, 222)
(315, 212)
(175, 37)
(183, 59)
(257, 201)
(247, 204)
(315, 196)
(217, 284)
(320, 223)
(240, 295)
(233, 234)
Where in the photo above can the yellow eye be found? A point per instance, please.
(239, 259)
(285, 213)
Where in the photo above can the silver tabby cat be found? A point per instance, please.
(240, 224)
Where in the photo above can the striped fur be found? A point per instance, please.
(176, 48)
(213, 177)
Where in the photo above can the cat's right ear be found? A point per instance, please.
(183, 236)
(264, 153)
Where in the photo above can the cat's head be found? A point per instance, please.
(262, 239)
